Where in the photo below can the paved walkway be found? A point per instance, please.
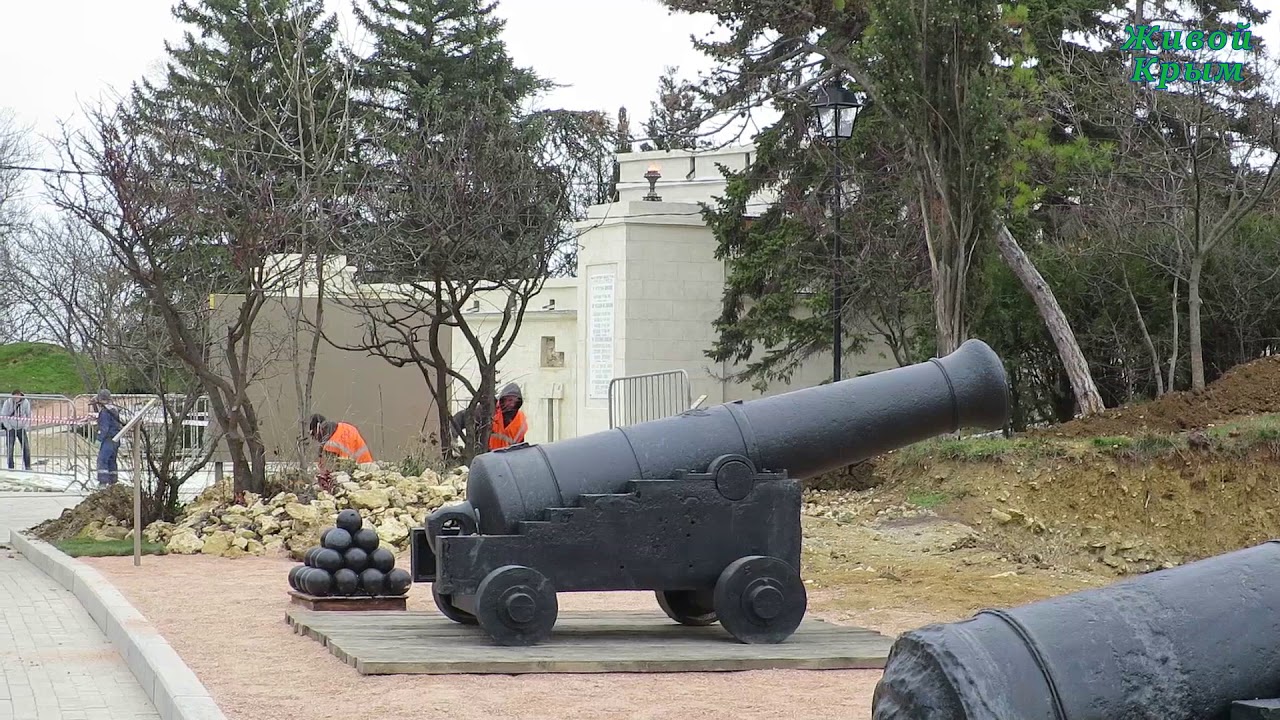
(21, 510)
(54, 661)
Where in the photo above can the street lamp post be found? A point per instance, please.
(837, 110)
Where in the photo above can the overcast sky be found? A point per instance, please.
(57, 54)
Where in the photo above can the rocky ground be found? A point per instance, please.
(221, 524)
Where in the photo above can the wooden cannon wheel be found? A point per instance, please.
(760, 599)
(516, 605)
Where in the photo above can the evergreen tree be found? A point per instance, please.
(480, 190)
(236, 62)
(434, 57)
(674, 118)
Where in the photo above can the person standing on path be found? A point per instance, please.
(16, 417)
(109, 424)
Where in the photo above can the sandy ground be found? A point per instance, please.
(226, 619)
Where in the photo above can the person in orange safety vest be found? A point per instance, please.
(339, 439)
(510, 425)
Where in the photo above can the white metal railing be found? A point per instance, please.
(650, 396)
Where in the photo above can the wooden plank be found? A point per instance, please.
(378, 603)
(387, 643)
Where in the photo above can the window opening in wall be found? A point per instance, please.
(551, 358)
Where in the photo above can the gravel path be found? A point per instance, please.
(226, 619)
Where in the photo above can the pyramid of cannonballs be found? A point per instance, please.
(349, 562)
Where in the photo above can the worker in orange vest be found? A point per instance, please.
(509, 422)
(339, 439)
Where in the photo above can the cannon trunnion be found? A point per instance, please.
(723, 546)
(702, 508)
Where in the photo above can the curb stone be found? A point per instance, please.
(173, 688)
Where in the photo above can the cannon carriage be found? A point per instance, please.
(702, 508)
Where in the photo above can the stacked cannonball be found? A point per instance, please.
(349, 562)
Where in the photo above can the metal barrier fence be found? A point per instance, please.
(48, 442)
(193, 441)
(62, 437)
(651, 396)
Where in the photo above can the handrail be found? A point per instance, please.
(137, 479)
(134, 420)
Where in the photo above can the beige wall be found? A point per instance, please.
(391, 406)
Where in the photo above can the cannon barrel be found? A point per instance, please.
(1159, 646)
(804, 432)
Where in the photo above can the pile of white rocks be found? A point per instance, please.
(388, 501)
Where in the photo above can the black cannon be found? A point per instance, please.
(703, 508)
(1160, 646)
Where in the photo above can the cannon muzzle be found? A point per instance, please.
(1177, 644)
(804, 432)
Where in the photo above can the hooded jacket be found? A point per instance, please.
(341, 439)
(463, 421)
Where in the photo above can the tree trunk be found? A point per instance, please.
(947, 302)
(947, 267)
(1086, 392)
(257, 467)
(1173, 353)
(1146, 338)
(241, 473)
(1193, 323)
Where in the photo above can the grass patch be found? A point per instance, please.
(1142, 447)
(38, 368)
(981, 449)
(88, 547)
(927, 500)
(1247, 432)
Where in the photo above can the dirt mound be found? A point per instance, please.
(1249, 389)
(1079, 506)
(115, 501)
(859, 476)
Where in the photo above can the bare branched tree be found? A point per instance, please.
(475, 218)
(312, 133)
(184, 235)
(14, 150)
(1190, 164)
(78, 296)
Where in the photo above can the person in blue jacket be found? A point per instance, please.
(109, 424)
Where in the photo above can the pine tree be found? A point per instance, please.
(674, 117)
(237, 57)
(431, 57)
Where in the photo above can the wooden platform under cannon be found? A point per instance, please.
(348, 604)
(426, 643)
